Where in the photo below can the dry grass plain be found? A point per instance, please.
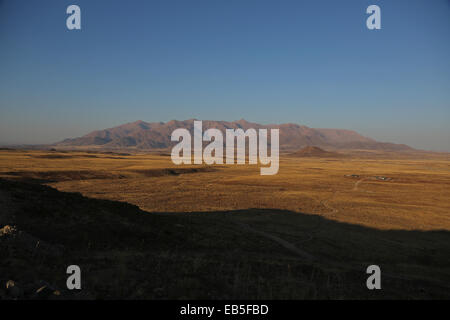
(318, 222)
(416, 195)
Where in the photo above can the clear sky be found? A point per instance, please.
(309, 62)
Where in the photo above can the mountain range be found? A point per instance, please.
(156, 135)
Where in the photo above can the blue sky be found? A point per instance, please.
(307, 62)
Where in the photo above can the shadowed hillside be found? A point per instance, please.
(125, 252)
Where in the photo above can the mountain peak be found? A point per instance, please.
(156, 135)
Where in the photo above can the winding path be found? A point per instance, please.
(285, 244)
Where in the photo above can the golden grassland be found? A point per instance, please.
(225, 231)
(415, 195)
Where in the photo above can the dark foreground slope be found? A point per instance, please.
(124, 252)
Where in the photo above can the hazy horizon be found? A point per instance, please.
(310, 63)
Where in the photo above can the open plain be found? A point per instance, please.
(142, 227)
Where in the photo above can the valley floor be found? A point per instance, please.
(141, 227)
